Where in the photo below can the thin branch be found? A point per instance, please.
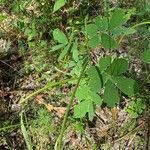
(10, 67)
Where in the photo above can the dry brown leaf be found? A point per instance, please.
(60, 111)
(103, 132)
(114, 112)
(39, 99)
(50, 107)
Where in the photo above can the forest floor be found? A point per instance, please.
(118, 128)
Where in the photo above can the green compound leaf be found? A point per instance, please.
(111, 96)
(118, 67)
(88, 99)
(95, 98)
(126, 85)
(74, 51)
(95, 79)
(102, 23)
(146, 56)
(104, 63)
(58, 4)
(91, 112)
(117, 18)
(91, 30)
(84, 107)
(81, 109)
(108, 42)
(94, 41)
(64, 52)
(60, 36)
(57, 47)
(122, 30)
(83, 92)
(136, 108)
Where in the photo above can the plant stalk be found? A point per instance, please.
(58, 143)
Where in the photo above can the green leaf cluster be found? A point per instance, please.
(115, 80)
(136, 108)
(88, 100)
(105, 30)
(58, 4)
(65, 44)
(106, 76)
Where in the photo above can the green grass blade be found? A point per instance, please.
(25, 134)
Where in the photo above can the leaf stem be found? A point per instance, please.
(135, 26)
(59, 139)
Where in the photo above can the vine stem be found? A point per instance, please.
(59, 139)
(46, 87)
(135, 26)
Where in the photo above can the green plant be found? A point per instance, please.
(108, 75)
(59, 4)
(136, 108)
(106, 30)
(66, 44)
(58, 143)
(41, 129)
(79, 127)
(43, 121)
(25, 133)
(44, 31)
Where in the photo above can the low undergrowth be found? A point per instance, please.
(79, 74)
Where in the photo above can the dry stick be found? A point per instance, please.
(10, 67)
(131, 140)
(129, 133)
(59, 139)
